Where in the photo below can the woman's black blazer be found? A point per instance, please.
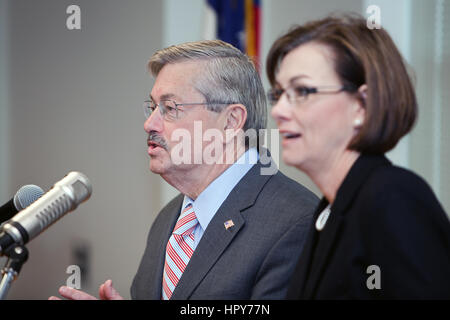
(387, 237)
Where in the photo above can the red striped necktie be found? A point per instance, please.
(179, 250)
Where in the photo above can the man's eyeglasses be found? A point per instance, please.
(169, 109)
(299, 94)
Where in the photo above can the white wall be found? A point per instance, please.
(430, 56)
(396, 19)
(75, 104)
(4, 101)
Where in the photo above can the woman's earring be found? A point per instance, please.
(358, 122)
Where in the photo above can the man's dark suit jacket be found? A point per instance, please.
(383, 216)
(254, 259)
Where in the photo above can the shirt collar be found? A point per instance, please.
(210, 200)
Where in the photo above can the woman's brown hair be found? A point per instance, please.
(361, 56)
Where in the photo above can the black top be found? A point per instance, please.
(387, 237)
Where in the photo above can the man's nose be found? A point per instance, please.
(154, 122)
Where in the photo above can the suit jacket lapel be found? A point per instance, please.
(317, 260)
(214, 241)
(172, 214)
(322, 250)
(303, 268)
(216, 238)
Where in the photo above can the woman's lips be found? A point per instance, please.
(289, 134)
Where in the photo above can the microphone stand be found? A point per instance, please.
(17, 255)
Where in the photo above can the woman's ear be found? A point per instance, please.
(360, 107)
(362, 93)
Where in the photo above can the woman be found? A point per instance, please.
(342, 98)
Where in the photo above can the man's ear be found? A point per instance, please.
(236, 116)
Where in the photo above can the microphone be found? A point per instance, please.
(63, 197)
(25, 196)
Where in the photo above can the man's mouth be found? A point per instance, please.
(152, 144)
(154, 141)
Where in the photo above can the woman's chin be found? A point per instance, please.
(291, 158)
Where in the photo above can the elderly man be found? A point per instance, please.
(233, 232)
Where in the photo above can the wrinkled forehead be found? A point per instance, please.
(177, 81)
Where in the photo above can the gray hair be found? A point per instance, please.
(228, 76)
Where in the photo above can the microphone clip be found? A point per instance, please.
(17, 255)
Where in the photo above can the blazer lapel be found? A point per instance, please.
(172, 213)
(323, 248)
(349, 188)
(217, 238)
(213, 243)
(303, 268)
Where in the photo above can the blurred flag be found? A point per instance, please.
(237, 22)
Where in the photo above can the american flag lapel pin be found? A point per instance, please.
(228, 224)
